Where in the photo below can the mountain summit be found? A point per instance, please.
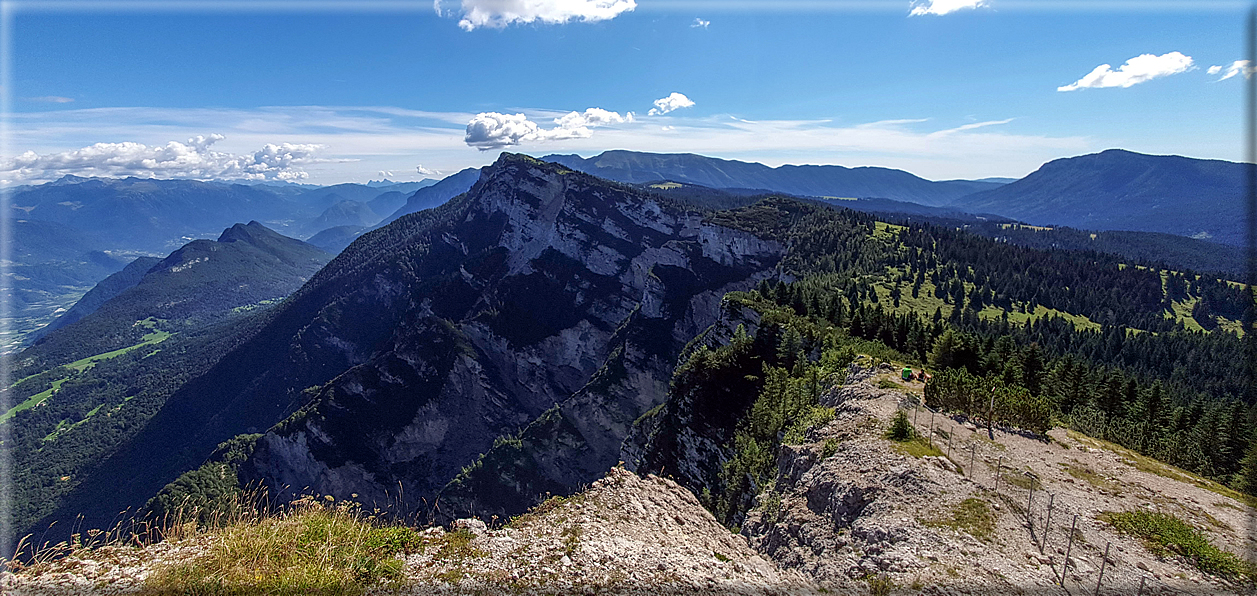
(1123, 190)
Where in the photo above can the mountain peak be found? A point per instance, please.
(68, 179)
(250, 232)
(1118, 189)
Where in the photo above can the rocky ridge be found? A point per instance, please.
(847, 505)
(624, 535)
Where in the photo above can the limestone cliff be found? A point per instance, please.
(555, 319)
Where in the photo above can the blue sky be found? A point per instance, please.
(343, 93)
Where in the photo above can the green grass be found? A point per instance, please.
(885, 230)
(34, 400)
(64, 427)
(1183, 312)
(879, 585)
(830, 448)
(1017, 317)
(900, 429)
(971, 515)
(916, 447)
(314, 548)
(925, 303)
(1165, 534)
(249, 307)
(1229, 326)
(153, 337)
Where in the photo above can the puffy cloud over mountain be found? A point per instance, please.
(491, 130)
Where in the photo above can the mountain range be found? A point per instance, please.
(72, 233)
(525, 336)
(1111, 190)
(335, 238)
(807, 180)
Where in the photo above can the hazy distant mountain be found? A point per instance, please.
(1122, 190)
(807, 180)
(437, 194)
(324, 197)
(344, 213)
(386, 203)
(338, 230)
(335, 239)
(148, 215)
(386, 183)
(892, 207)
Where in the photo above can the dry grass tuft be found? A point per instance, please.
(310, 547)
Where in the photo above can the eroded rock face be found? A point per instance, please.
(558, 309)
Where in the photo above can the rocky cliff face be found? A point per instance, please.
(559, 308)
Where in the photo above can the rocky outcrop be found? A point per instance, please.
(624, 535)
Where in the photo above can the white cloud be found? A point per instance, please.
(591, 117)
(428, 172)
(1137, 70)
(386, 174)
(51, 99)
(670, 103)
(491, 130)
(500, 13)
(942, 7)
(362, 140)
(1235, 68)
(972, 126)
(192, 159)
(699, 23)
